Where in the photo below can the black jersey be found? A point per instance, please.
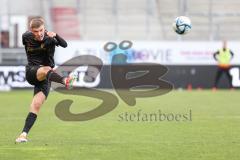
(41, 52)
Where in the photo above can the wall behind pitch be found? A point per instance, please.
(193, 76)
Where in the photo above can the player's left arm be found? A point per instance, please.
(59, 41)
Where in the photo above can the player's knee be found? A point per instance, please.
(36, 105)
(46, 69)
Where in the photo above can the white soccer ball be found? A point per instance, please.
(182, 25)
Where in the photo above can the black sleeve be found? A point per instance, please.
(59, 41)
(27, 37)
(215, 55)
(24, 38)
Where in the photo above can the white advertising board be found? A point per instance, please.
(167, 53)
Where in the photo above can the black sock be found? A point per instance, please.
(53, 76)
(29, 121)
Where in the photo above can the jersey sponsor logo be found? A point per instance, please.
(42, 45)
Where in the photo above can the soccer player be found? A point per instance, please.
(40, 46)
(223, 56)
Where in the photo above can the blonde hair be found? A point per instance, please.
(36, 22)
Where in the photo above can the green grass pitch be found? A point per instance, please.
(213, 133)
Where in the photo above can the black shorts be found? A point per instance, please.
(31, 77)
